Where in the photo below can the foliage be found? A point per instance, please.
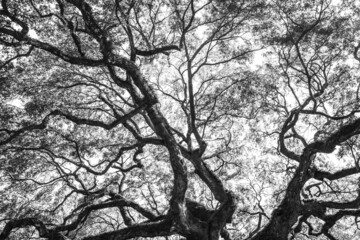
(178, 119)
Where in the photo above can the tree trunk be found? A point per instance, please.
(291, 208)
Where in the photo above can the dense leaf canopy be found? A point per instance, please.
(179, 119)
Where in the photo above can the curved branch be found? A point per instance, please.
(147, 53)
(26, 222)
(321, 175)
(118, 202)
(146, 229)
(289, 124)
(18, 56)
(356, 50)
(81, 121)
(341, 135)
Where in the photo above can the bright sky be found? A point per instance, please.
(16, 103)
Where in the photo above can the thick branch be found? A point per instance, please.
(147, 53)
(344, 133)
(147, 229)
(119, 202)
(26, 222)
(321, 175)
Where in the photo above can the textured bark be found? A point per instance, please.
(185, 217)
(286, 214)
(26, 222)
(153, 229)
(292, 208)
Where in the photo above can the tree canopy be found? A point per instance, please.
(179, 119)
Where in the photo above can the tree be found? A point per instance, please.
(148, 119)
